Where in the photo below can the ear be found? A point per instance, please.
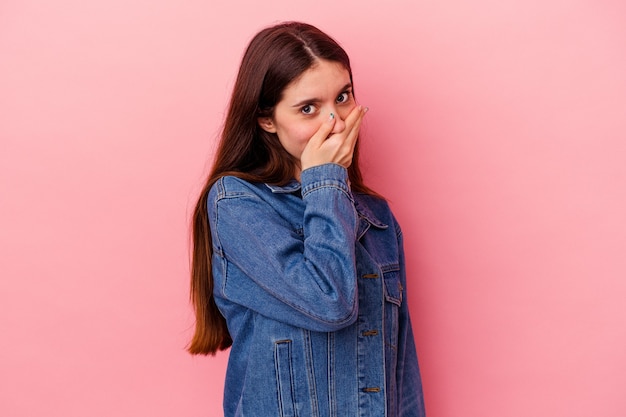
(267, 124)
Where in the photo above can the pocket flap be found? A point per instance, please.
(393, 287)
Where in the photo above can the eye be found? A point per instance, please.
(343, 97)
(308, 109)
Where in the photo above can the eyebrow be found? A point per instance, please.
(317, 100)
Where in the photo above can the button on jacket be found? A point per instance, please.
(311, 280)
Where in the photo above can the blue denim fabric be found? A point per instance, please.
(311, 280)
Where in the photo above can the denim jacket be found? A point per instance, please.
(311, 280)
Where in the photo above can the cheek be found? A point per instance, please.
(306, 132)
(298, 134)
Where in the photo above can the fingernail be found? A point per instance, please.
(366, 110)
(332, 116)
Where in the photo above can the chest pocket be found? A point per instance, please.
(393, 286)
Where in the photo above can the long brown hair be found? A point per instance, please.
(275, 57)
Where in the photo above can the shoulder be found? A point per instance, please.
(373, 202)
(376, 208)
(235, 193)
(375, 205)
(231, 187)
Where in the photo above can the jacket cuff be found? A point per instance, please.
(326, 175)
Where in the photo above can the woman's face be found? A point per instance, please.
(307, 102)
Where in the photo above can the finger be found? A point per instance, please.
(353, 131)
(354, 115)
(324, 130)
(349, 137)
(359, 120)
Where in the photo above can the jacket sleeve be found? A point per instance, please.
(306, 280)
(408, 382)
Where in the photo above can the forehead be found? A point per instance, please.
(325, 77)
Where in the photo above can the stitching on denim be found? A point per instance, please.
(310, 372)
(320, 186)
(390, 267)
(332, 394)
(283, 348)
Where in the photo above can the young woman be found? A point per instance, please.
(296, 263)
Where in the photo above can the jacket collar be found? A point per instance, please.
(290, 187)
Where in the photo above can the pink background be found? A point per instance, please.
(497, 131)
